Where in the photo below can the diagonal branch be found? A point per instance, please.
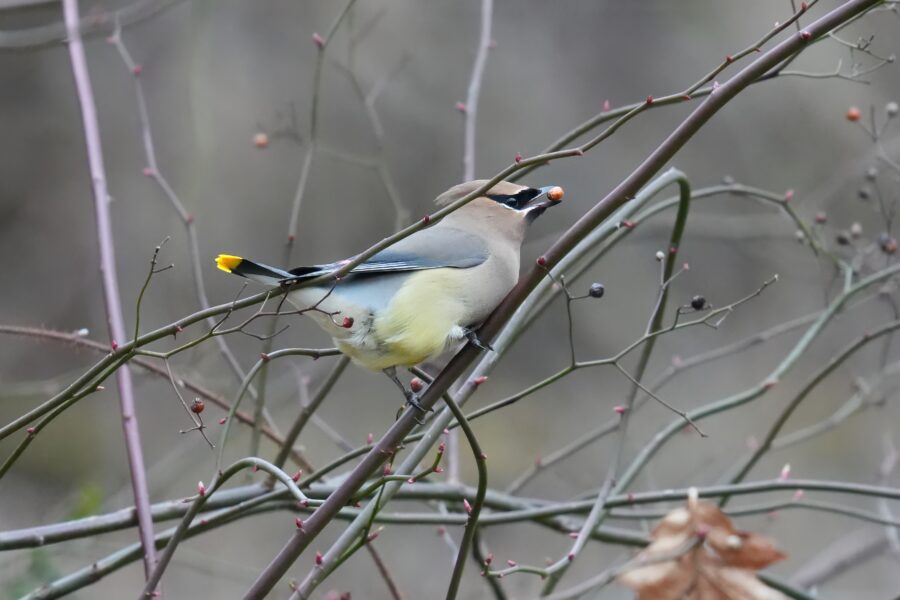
(606, 207)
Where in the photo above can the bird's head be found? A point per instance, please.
(507, 207)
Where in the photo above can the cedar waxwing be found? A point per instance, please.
(428, 291)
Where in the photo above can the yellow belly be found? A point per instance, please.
(421, 319)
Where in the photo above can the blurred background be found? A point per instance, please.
(219, 75)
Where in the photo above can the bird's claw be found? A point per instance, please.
(412, 399)
(473, 338)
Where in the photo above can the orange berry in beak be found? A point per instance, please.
(556, 194)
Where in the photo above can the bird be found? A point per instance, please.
(425, 293)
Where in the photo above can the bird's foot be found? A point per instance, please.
(473, 338)
(412, 399)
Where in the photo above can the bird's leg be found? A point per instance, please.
(473, 338)
(411, 397)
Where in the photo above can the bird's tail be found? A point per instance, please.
(251, 270)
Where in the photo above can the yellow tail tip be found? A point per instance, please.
(227, 262)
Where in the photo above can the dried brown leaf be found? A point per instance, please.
(698, 554)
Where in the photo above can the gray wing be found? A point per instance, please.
(434, 248)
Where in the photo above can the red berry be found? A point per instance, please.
(197, 406)
(853, 114)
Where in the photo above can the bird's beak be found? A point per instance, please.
(550, 195)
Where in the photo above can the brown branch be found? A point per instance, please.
(617, 197)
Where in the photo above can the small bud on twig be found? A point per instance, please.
(785, 472)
